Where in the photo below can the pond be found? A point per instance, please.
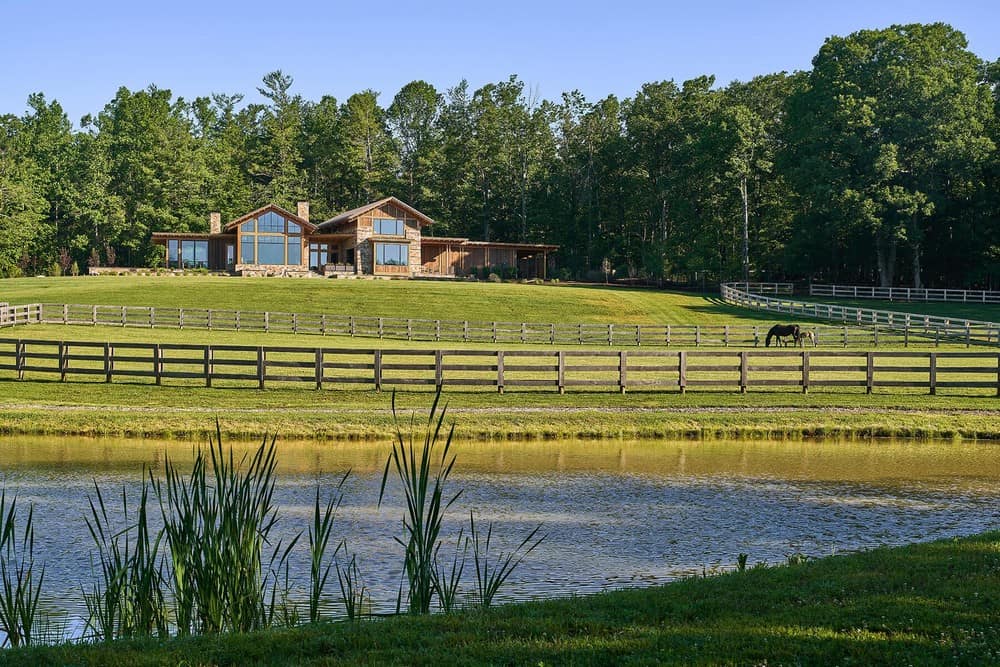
(615, 513)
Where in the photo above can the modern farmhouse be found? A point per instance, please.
(383, 238)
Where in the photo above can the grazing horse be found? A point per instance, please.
(806, 335)
(779, 331)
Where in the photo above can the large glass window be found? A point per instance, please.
(272, 240)
(389, 227)
(270, 249)
(187, 254)
(392, 254)
(318, 255)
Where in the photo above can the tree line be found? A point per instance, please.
(878, 165)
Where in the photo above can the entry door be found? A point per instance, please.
(230, 255)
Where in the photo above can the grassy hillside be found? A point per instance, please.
(927, 604)
(388, 298)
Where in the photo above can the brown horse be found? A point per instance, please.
(780, 331)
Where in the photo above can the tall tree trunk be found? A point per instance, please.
(885, 257)
(746, 229)
(917, 282)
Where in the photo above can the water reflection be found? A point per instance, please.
(615, 513)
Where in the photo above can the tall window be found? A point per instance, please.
(392, 254)
(388, 227)
(271, 239)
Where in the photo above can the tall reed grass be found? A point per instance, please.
(491, 573)
(217, 522)
(423, 474)
(20, 580)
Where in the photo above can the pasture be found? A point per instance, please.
(186, 408)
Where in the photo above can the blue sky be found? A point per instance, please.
(81, 52)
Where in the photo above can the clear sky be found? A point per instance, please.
(80, 52)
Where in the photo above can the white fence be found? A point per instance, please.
(911, 324)
(897, 293)
(30, 313)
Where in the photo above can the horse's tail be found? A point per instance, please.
(767, 341)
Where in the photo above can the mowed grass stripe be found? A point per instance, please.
(457, 300)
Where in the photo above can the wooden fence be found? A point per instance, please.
(910, 325)
(618, 370)
(898, 293)
(14, 315)
(534, 333)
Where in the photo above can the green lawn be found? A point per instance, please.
(446, 300)
(926, 604)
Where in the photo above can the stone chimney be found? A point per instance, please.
(303, 210)
(214, 223)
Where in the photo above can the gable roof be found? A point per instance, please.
(355, 213)
(233, 224)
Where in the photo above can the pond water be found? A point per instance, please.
(615, 514)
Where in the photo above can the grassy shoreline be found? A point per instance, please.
(932, 603)
(84, 408)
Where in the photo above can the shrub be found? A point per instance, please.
(494, 278)
(74, 269)
(55, 270)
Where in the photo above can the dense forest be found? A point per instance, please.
(879, 165)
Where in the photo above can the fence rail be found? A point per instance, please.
(14, 315)
(533, 333)
(617, 370)
(909, 325)
(898, 293)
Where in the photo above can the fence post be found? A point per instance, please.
(319, 368)
(932, 372)
(611, 334)
(500, 371)
(744, 372)
(19, 359)
(869, 372)
(622, 370)
(377, 363)
(267, 322)
(208, 365)
(552, 334)
(381, 328)
(109, 362)
(322, 324)
(561, 372)
(580, 332)
(805, 372)
(158, 364)
(94, 315)
(524, 332)
(209, 319)
(638, 335)
(437, 330)
(65, 313)
(409, 329)
(845, 335)
(968, 335)
(180, 318)
(351, 322)
(725, 335)
(668, 335)
(260, 366)
(465, 331)
(494, 332)
(697, 335)
(682, 371)
(238, 313)
(62, 361)
(438, 368)
(295, 323)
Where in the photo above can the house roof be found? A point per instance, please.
(233, 224)
(355, 213)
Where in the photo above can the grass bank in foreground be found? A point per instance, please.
(925, 604)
